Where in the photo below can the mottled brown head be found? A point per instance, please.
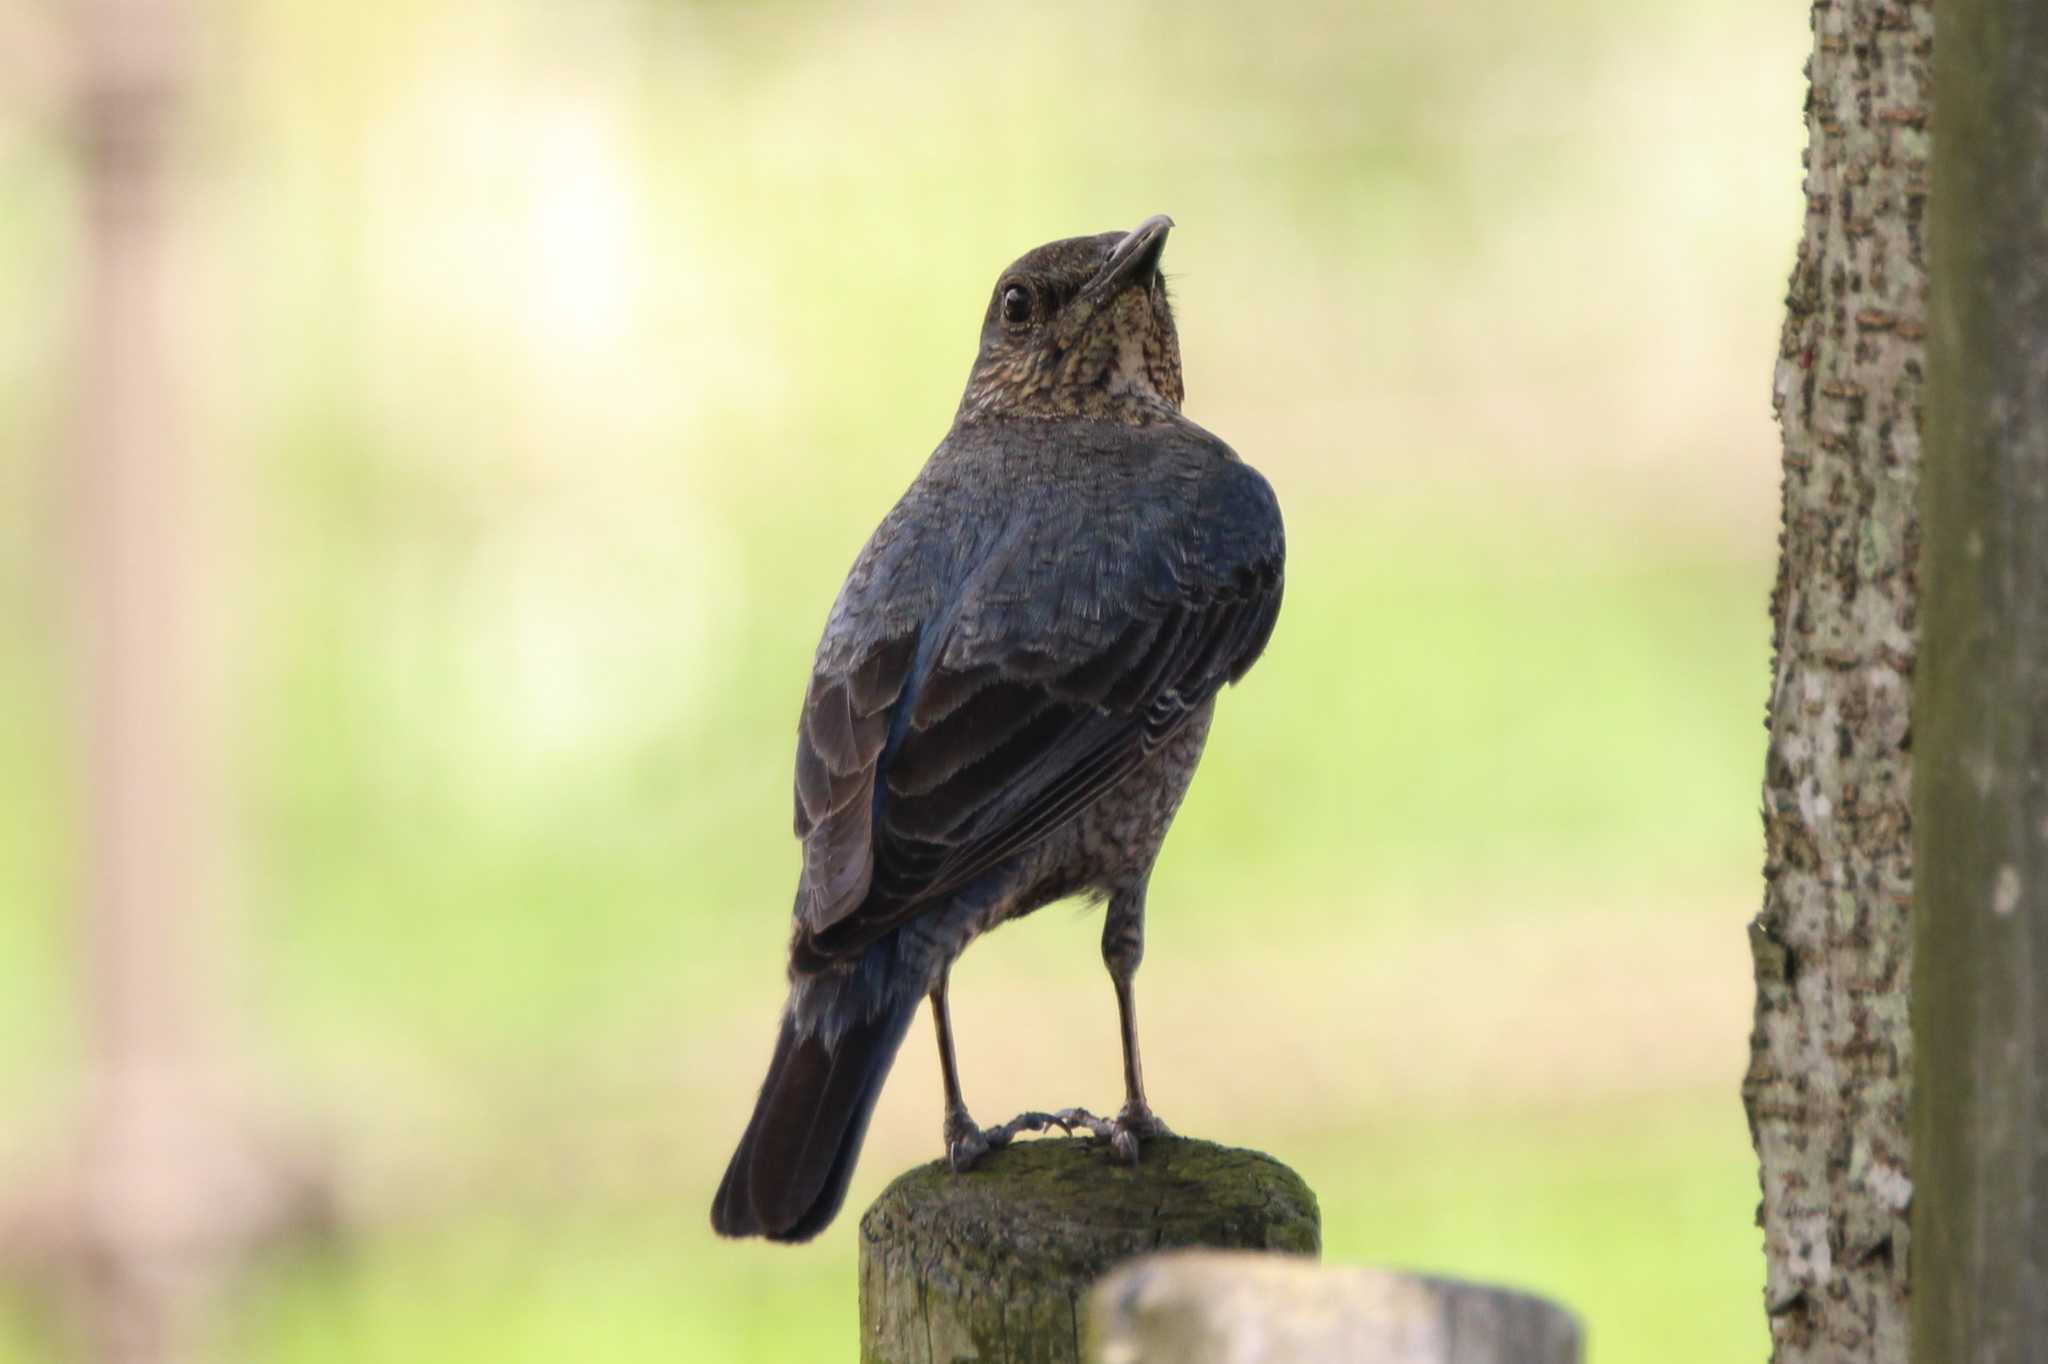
(1080, 328)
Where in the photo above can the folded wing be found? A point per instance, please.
(946, 749)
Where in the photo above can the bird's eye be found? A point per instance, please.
(1016, 304)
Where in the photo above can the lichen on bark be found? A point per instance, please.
(1828, 1084)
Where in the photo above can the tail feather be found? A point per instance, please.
(788, 1177)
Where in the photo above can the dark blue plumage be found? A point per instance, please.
(1008, 702)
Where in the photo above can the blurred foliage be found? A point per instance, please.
(556, 360)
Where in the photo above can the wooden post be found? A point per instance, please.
(1219, 1307)
(994, 1264)
(1980, 808)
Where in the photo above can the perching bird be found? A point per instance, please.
(1009, 700)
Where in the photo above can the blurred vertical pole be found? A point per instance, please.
(1830, 1069)
(151, 798)
(145, 1238)
(1980, 1007)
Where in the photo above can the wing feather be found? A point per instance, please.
(928, 762)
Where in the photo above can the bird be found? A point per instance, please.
(1006, 707)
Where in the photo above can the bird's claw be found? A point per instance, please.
(1124, 1133)
(1135, 1124)
(1141, 1122)
(1068, 1120)
(966, 1144)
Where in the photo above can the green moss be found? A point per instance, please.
(993, 1264)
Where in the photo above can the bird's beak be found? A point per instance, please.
(1135, 259)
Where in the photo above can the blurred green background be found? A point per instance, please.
(554, 360)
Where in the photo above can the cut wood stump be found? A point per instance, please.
(1208, 1307)
(996, 1264)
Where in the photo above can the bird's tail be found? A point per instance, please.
(789, 1175)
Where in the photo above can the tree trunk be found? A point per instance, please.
(1829, 1076)
(1980, 1007)
(995, 1264)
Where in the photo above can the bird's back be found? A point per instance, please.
(1038, 567)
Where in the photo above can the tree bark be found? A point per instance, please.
(994, 1264)
(1223, 1307)
(1980, 1007)
(1829, 1079)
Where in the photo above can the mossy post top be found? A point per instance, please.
(996, 1263)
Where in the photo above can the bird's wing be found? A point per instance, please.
(945, 751)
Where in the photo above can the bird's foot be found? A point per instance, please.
(1136, 1123)
(1068, 1120)
(1123, 1132)
(966, 1144)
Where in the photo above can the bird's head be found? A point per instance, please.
(1080, 328)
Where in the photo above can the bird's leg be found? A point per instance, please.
(965, 1143)
(1123, 947)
